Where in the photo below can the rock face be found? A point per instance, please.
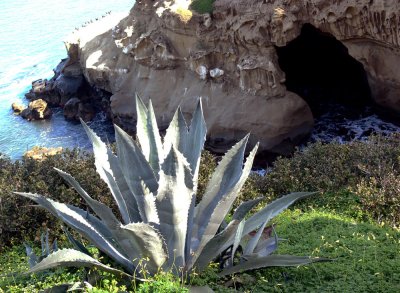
(230, 59)
(69, 89)
(75, 109)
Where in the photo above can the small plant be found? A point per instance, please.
(154, 187)
(46, 249)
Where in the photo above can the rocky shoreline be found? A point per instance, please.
(231, 59)
(67, 89)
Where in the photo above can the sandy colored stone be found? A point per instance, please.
(17, 107)
(40, 153)
(37, 110)
(154, 53)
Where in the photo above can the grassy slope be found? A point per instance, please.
(367, 259)
(341, 223)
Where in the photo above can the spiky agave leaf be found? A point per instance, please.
(252, 243)
(138, 175)
(189, 142)
(110, 173)
(173, 202)
(77, 221)
(147, 243)
(148, 135)
(218, 213)
(272, 210)
(224, 178)
(271, 261)
(32, 258)
(71, 258)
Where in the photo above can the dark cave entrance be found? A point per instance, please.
(319, 68)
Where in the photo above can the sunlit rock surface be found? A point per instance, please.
(163, 52)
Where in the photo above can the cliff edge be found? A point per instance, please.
(163, 51)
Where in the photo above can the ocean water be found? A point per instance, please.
(31, 45)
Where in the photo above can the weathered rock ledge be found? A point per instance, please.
(230, 59)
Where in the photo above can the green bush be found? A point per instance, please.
(368, 172)
(19, 220)
(202, 6)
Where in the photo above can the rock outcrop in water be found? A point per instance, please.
(36, 110)
(230, 59)
(69, 90)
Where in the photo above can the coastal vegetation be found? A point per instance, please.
(354, 220)
(202, 6)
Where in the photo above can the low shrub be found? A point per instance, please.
(202, 6)
(19, 220)
(368, 172)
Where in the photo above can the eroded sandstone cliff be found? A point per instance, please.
(229, 58)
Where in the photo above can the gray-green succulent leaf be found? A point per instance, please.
(270, 261)
(71, 258)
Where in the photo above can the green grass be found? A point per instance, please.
(14, 261)
(366, 259)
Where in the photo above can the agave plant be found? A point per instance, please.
(154, 183)
(46, 249)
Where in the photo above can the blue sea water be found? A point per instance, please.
(31, 45)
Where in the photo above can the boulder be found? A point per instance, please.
(71, 109)
(17, 107)
(86, 111)
(68, 86)
(40, 153)
(37, 110)
(39, 86)
(75, 109)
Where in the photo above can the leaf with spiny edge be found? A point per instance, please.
(102, 163)
(223, 206)
(173, 201)
(217, 245)
(148, 135)
(72, 258)
(126, 195)
(177, 133)
(251, 245)
(273, 209)
(271, 261)
(245, 207)
(148, 244)
(224, 178)
(138, 174)
(79, 223)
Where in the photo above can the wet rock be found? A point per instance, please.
(26, 114)
(39, 86)
(17, 107)
(86, 111)
(73, 70)
(37, 110)
(67, 86)
(71, 109)
(75, 109)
